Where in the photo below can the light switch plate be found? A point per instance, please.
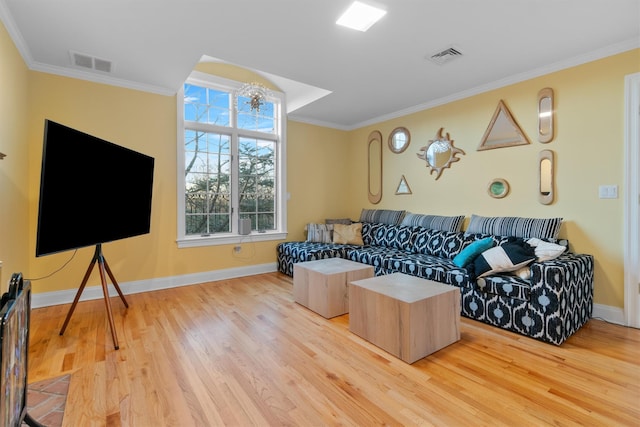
(608, 191)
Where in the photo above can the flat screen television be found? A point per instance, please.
(92, 191)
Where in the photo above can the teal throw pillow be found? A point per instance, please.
(468, 254)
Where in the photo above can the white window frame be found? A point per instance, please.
(280, 232)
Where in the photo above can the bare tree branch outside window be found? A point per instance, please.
(208, 156)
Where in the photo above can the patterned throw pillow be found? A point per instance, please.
(515, 226)
(389, 236)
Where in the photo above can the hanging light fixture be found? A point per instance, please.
(257, 94)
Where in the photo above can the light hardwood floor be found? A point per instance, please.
(240, 352)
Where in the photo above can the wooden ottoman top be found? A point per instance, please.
(331, 265)
(404, 287)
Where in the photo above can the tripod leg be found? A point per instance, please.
(31, 422)
(107, 303)
(115, 283)
(78, 294)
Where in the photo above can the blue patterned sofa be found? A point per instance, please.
(549, 306)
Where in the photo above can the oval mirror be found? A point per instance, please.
(399, 139)
(546, 180)
(545, 115)
(374, 148)
(439, 153)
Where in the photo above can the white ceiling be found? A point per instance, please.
(369, 77)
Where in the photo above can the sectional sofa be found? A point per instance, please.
(540, 295)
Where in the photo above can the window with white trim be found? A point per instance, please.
(231, 163)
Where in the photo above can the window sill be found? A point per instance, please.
(230, 239)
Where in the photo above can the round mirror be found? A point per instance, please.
(399, 139)
(498, 188)
(439, 153)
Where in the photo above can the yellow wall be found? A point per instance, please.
(326, 168)
(147, 123)
(143, 122)
(14, 205)
(588, 146)
(319, 173)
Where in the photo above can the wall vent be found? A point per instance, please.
(445, 56)
(90, 62)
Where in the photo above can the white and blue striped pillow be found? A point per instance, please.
(319, 233)
(515, 226)
(434, 222)
(383, 216)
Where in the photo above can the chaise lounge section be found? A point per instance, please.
(549, 299)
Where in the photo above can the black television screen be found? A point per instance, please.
(91, 191)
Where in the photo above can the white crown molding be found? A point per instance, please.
(613, 49)
(46, 299)
(331, 125)
(23, 49)
(516, 78)
(99, 78)
(14, 33)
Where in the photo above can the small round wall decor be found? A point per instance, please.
(498, 188)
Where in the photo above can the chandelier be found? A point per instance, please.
(257, 94)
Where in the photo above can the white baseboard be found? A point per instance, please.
(605, 312)
(46, 299)
(609, 313)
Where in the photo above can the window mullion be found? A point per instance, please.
(235, 170)
(206, 127)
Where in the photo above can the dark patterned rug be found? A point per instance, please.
(46, 400)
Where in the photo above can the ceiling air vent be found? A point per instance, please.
(445, 56)
(90, 62)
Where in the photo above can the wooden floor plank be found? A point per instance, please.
(242, 352)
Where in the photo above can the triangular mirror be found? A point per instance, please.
(403, 186)
(503, 131)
